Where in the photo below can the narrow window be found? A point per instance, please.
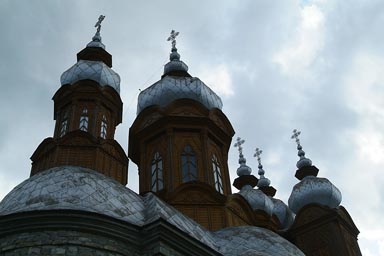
(217, 174)
(64, 125)
(84, 120)
(157, 172)
(188, 164)
(103, 130)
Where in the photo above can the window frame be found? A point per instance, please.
(189, 168)
(157, 172)
(84, 120)
(217, 175)
(103, 127)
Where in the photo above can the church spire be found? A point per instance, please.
(175, 66)
(245, 179)
(303, 161)
(243, 169)
(96, 39)
(263, 181)
(95, 51)
(304, 165)
(264, 184)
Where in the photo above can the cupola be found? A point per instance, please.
(311, 189)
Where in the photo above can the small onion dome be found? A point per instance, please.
(312, 189)
(263, 181)
(257, 199)
(283, 213)
(175, 64)
(97, 71)
(243, 168)
(303, 161)
(96, 41)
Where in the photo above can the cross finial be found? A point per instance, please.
(295, 136)
(257, 155)
(98, 23)
(238, 145)
(172, 38)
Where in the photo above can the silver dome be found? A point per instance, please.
(251, 240)
(76, 188)
(97, 71)
(257, 199)
(283, 213)
(314, 190)
(171, 88)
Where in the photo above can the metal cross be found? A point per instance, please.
(257, 155)
(295, 136)
(239, 143)
(98, 23)
(172, 38)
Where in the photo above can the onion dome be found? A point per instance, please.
(93, 63)
(311, 189)
(314, 190)
(75, 188)
(251, 240)
(283, 213)
(176, 83)
(257, 199)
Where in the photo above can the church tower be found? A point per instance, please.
(180, 141)
(316, 203)
(87, 110)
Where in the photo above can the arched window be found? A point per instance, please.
(188, 164)
(84, 120)
(64, 125)
(217, 175)
(157, 172)
(103, 129)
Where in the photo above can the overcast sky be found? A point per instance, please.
(277, 65)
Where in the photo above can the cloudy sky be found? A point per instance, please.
(277, 65)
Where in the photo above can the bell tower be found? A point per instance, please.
(180, 141)
(87, 109)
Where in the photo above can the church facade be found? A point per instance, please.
(76, 201)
